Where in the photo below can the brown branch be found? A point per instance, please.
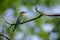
(35, 17)
(33, 2)
(26, 21)
(52, 14)
(4, 36)
(31, 19)
(9, 23)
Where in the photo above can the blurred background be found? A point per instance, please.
(44, 28)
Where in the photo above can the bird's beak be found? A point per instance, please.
(25, 12)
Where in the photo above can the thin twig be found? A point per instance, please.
(10, 27)
(42, 13)
(52, 14)
(9, 23)
(31, 19)
(4, 36)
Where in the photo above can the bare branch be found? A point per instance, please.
(31, 19)
(8, 23)
(52, 14)
(42, 13)
(4, 36)
(10, 27)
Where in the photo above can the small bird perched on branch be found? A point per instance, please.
(18, 20)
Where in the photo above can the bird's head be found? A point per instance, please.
(22, 13)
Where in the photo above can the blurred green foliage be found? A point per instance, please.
(4, 4)
(15, 4)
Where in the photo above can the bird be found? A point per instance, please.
(19, 20)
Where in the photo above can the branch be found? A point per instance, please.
(4, 36)
(42, 13)
(35, 17)
(31, 19)
(8, 23)
(52, 14)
